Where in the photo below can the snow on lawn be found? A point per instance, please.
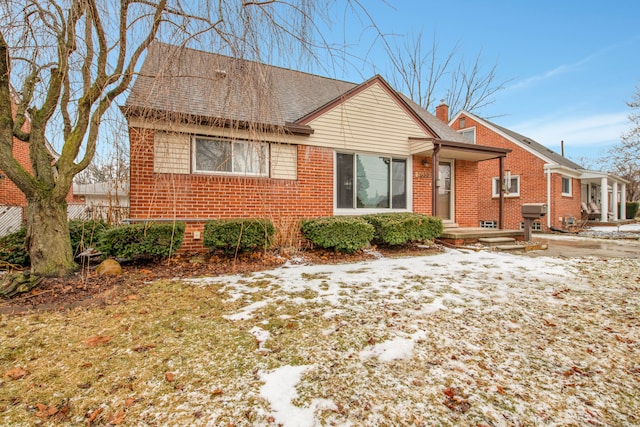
(635, 227)
(473, 338)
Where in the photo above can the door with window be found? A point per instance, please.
(445, 193)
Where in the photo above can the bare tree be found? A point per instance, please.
(64, 62)
(428, 75)
(624, 157)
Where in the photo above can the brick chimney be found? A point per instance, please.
(442, 112)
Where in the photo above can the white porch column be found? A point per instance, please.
(614, 200)
(604, 200)
(623, 201)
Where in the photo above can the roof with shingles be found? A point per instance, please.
(528, 142)
(186, 82)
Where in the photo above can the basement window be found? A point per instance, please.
(535, 226)
(488, 224)
(230, 157)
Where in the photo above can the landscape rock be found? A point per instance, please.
(109, 267)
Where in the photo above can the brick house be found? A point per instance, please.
(216, 137)
(12, 200)
(536, 174)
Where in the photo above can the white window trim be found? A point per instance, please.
(265, 174)
(570, 193)
(364, 211)
(493, 186)
(470, 128)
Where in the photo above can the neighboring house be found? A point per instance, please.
(536, 174)
(108, 200)
(216, 137)
(12, 200)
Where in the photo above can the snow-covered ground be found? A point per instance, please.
(460, 338)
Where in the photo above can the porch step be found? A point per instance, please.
(496, 241)
(510, 248)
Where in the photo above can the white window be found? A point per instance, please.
(488, 224)
(370, 182)
(230, 157)
(511, 189)
(469, 134)
(566, 186)
(535, 226)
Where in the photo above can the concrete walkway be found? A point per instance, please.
(570, 246)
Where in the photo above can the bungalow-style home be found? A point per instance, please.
(536, 174)
(217, 137)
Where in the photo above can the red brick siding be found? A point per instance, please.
(533, 182)
(466, 193)
(10, 194)
(155, 196)
(421, 191)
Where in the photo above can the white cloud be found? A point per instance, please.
(574, 130)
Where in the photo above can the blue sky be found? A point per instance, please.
(572, 65)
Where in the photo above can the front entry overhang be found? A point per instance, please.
(437, 148)
(455, 150)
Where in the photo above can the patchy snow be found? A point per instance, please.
(261, 336)
(458, 338)
(635, 227)
(279, 390)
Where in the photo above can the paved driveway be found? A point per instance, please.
(573, 246)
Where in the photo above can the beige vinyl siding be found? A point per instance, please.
(171, 153)
(371, 121)
(284, 161)
(180, 128)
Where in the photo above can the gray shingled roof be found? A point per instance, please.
(193, 83)
(547, 152)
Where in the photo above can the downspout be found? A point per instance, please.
(548, 172)
(435, 177)
(501, 202)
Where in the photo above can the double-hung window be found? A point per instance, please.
(511, 188)
(230, 157)
(566, 186)
(370, 182)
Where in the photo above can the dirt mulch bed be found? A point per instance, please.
(86, 288)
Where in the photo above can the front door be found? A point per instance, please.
(445, 195)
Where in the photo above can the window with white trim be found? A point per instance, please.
(366, 181)
(488, 224)
(469, 134)
(566, 186)
(535, 226)
(230, 157)
(510, 190)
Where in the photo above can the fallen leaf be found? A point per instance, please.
(45, 411)
(93, 415)
(132, 297)
(117, 418)
(500, 389)
(169, 376)
(143, 348)
(129, 402)
(97, 340)
(217, 392)
(15, 373)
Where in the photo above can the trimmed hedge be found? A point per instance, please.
(148, 240)
(85, 234)
(344, 234)
(401, 228)
(632, 210)
(238, 235)
(12, 248)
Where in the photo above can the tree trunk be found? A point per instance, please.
(48, 238)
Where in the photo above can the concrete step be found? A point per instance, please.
(511, 248)
(495, 241)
